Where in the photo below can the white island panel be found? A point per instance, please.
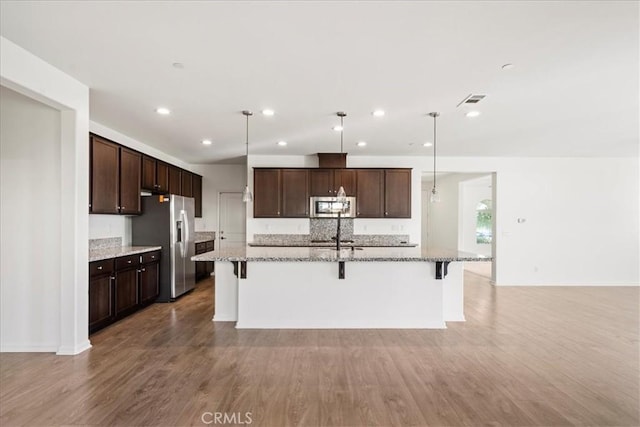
(310, 295)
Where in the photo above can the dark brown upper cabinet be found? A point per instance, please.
(162, 176)
(130, 176)
(326, 182)
(115, 174)
(149, 173)
(197, 195)
(397, 193)
(175, 180)
(266, 193)
(370, 193)
(345, 178)
(187, 183)
(155, 175)
(295, 193)
(105, 176)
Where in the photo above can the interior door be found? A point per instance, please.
(232, 223)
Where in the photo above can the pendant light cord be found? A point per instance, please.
(434, 151)
(247, 177)
(341, 132)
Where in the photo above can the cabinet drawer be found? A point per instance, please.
(150, 257)
(97, 268)
(209, 245)
(127, 261)
(201, 248)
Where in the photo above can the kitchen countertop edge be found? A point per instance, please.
(120, 251)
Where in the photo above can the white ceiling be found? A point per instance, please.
(573, 91)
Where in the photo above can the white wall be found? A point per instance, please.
(410, 226)
(30, 222)
(50, 311)
(215, 180)
(582, 219)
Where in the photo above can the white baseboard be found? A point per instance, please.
(223, 319)
(73, 350)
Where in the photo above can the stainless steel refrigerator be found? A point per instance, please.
(168, 221)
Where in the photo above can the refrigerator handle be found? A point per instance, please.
(187, 233)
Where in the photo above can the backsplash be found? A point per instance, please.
(108, 242)
(325, 228)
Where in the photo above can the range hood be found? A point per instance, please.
(332, 160)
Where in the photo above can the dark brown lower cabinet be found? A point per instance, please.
(126, 291)
(120, 286)
(101, 311)
(204, 269)
(149, 284)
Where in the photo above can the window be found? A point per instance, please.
(484, 222)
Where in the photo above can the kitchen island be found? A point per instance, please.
(310, 287)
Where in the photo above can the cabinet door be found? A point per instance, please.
(370, 193)
(295, 193)
(149, 282)
(126, 291)
(266, 193)
(345, 178)
(162, 177)
(149, 173)
(105, 176)
(130, 177)
(397, 193)
(101, 310)
(321, 182)
(197, 195)
(187, 189)
(175, 181)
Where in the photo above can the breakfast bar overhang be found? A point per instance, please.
(322, 288)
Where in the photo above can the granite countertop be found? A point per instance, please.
(288, 254)
(98, 254)
(319, 240)
(355, 243)
(204, 236)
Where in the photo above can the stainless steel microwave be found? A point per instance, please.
(328, 207)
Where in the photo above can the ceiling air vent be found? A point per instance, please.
(471, 99)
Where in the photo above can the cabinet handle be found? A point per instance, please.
(129, 262)
(144, 269)
(123, 208)
(386, 213)
(99, 267)
(153, 257)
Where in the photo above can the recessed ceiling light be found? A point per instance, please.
(162, 110)
(268, 112)
(507, 66)
(473, 113)
(282, 143)
(378, 113)
(206, 142)
(427, 144)
(361, 144)
(178, 65)
(337, 128)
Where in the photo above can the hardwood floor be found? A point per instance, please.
(527, 356)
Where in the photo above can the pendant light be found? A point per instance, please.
(435, 196)
(342, 195)
(246, 193)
